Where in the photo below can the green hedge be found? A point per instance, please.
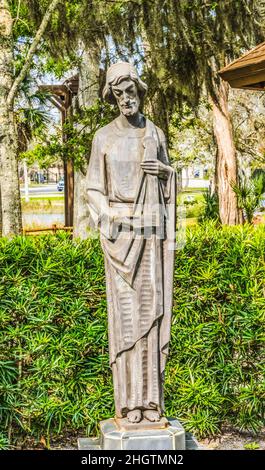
(54, 373)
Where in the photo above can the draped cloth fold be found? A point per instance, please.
(139, 278)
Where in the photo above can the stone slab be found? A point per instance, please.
(192, 443)
(88, 443)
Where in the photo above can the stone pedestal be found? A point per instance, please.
(116, 436)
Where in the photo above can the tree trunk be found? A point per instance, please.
(187, 179)
(179, 180)
(9, 181)
(68, 171)
(226, 161)
(155, 104)
(213, 185)
(88, 93)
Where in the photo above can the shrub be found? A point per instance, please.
(215, 369)
(193, 203)
(249, 194)
(54, 372)
(211, 207)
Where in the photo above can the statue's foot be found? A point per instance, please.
(151, 415)
(134, 416)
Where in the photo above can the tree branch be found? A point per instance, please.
(32, 51)
(18, 11)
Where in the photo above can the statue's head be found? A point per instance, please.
(124, 87)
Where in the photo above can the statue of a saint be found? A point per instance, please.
(131, 194)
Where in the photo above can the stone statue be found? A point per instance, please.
(131, 195)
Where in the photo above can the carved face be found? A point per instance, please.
(127, 97)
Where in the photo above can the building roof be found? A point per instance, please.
(248, 71)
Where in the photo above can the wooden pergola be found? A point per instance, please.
(248, 71)
(62, 97)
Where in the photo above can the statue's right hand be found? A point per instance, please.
(123, 222)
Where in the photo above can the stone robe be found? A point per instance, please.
(139, 263)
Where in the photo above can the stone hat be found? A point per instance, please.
(118, 72)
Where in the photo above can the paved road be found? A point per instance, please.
(195, 183)
(42, 190)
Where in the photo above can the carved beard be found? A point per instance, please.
(131, 108)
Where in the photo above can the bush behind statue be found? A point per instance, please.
(54, 373)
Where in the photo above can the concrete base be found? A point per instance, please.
(112, 437)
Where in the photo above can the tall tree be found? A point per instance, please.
(10, 198)
(81, 33)
(9, 87)
(192, 41)
(182, 45)
(226, 166)
(87, 95)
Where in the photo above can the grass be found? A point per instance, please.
(251, 446)
(194, 207)
(48, 205)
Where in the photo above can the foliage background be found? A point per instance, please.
(54, 373)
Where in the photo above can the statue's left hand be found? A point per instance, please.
(156, 168)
